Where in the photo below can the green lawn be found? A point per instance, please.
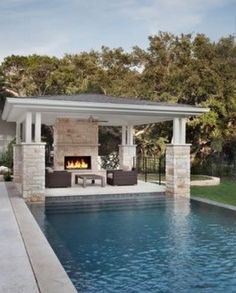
(225, 192)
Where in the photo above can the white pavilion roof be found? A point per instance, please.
(108, 110)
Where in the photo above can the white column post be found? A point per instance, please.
(176, 131)
(17, 132)
(28, 127)
(23, 130)
(38, 127)
(183, 130)
(123, 142)
(127, 150)
(130, 135)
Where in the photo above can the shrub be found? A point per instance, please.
(6, 158)
(7, 176)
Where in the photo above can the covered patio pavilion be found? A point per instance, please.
(76, 120)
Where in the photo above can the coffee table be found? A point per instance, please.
(91, 177)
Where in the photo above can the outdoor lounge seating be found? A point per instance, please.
(57, 179)
(121, 177)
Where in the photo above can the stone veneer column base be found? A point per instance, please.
(17, 163)
(127, 153)
(178, 170)
(33, 171)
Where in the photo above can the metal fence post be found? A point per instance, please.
(159, 169)
(145, 168)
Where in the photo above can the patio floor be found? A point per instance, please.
(96, 189)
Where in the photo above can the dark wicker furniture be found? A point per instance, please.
(58, 179)
(120, 177)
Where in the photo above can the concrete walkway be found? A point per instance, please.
(28, 263)
(16, 274)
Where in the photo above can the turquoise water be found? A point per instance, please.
(174, 247)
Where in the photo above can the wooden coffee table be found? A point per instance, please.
(91, 177)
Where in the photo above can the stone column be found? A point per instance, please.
(33, 171)
(127, 150)
(127, 155)
(178, 170)
(17, 163)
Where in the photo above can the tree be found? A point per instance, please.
(175, 69)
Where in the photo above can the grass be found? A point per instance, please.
(225, 192)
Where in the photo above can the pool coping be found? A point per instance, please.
(215, 203)
(49, 273)
(16, 274)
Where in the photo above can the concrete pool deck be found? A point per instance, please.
(28, 263)
(96, 189)
(16, 274)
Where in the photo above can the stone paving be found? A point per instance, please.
(28, 263)
(16, 274)
(96, 189)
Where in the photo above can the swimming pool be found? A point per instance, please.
(173, 247)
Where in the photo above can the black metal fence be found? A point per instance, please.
(214, 166)
(151, 168)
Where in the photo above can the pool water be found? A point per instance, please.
(174, 247)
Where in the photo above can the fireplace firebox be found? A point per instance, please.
(77, 162)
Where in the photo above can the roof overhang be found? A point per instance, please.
(113, 114)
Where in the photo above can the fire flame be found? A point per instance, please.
(78, 164)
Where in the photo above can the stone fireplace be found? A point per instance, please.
(76, 145)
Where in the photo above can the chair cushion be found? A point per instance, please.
(126, 168)
(49, 169)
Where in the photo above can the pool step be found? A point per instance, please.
(100, 203)
(96, 198)
(80, 209)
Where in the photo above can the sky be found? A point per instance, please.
(56, 27)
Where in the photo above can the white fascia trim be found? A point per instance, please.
(71, 105)
(103, 110)
(41, 102)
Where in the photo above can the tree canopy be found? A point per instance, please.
(180, 69)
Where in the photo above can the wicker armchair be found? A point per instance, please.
(120, 177)
(57, 179)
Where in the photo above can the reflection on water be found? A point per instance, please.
(182, 207)
(177, 246)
